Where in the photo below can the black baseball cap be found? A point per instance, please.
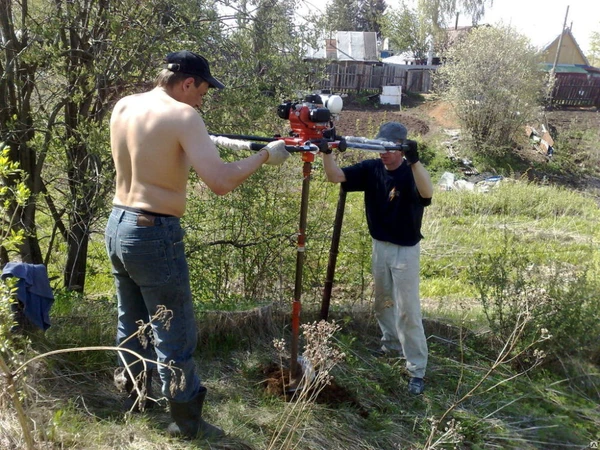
(193, 64)
(392, 132)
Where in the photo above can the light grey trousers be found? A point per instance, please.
(397, 304)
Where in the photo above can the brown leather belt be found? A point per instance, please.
(145, 220)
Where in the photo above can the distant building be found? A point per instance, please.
(347, 46)
(569, 52)
(576, 83)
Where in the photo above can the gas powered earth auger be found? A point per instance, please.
(312, 131)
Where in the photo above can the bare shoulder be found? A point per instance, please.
(124, 104)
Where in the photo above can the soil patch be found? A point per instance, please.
(366, 121)
(276, 383)
(442, 114)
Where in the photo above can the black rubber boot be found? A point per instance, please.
(144, 384)
(188, 422)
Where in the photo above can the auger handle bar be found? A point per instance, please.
(344, 142)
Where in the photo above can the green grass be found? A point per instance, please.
(530, 412)
(74, 405)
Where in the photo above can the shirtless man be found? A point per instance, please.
(156, 137)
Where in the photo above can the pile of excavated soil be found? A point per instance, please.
(366, 122)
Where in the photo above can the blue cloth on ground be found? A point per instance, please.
(33, 291)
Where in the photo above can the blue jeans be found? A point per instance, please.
(150, 269)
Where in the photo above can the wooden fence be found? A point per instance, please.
(576, 89)
(353, 77)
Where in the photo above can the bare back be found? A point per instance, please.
(152, 167)
(156, 137)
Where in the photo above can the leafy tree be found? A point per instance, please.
(493, 81)
(342, 15)
(404, 29)
(440, 12)
(594, 55)
(370, 15)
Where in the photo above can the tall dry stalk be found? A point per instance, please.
(508, 353)
(318, 359)
(12, 376)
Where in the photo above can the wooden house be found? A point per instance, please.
(568, 53)
(576, 83)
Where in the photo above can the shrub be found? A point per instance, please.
(555, 296)
(493, 81)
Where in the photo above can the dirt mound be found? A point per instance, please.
(365, 122)
(441, 113)
(275, 383)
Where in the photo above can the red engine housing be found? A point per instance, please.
(302, 125)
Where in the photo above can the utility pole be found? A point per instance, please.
(560, 41)
(551, 77)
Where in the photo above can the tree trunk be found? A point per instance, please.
(16, 129)
(75, 270)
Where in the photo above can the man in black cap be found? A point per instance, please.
(156, 137)
(397, 188)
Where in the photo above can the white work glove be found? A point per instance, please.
(233, 144)
(277, 152)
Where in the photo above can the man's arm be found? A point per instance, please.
(219, 176)
(420, 174)
(332, 170)
(422, 180)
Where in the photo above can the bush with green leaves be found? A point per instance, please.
(13, 345)
(557, 297)
(493, 80)
(14, 191)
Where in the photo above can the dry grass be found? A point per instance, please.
(77, 408)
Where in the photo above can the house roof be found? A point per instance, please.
(570, 68)
(564, 68)
(567, 35)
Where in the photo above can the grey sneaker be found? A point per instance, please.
(416, 386)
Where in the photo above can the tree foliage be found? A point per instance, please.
(440, 12)
(370, 15)
(63, 65)
(594, 54)
(342, 15)
(493, 81)
(405, 31)
(355, 15)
